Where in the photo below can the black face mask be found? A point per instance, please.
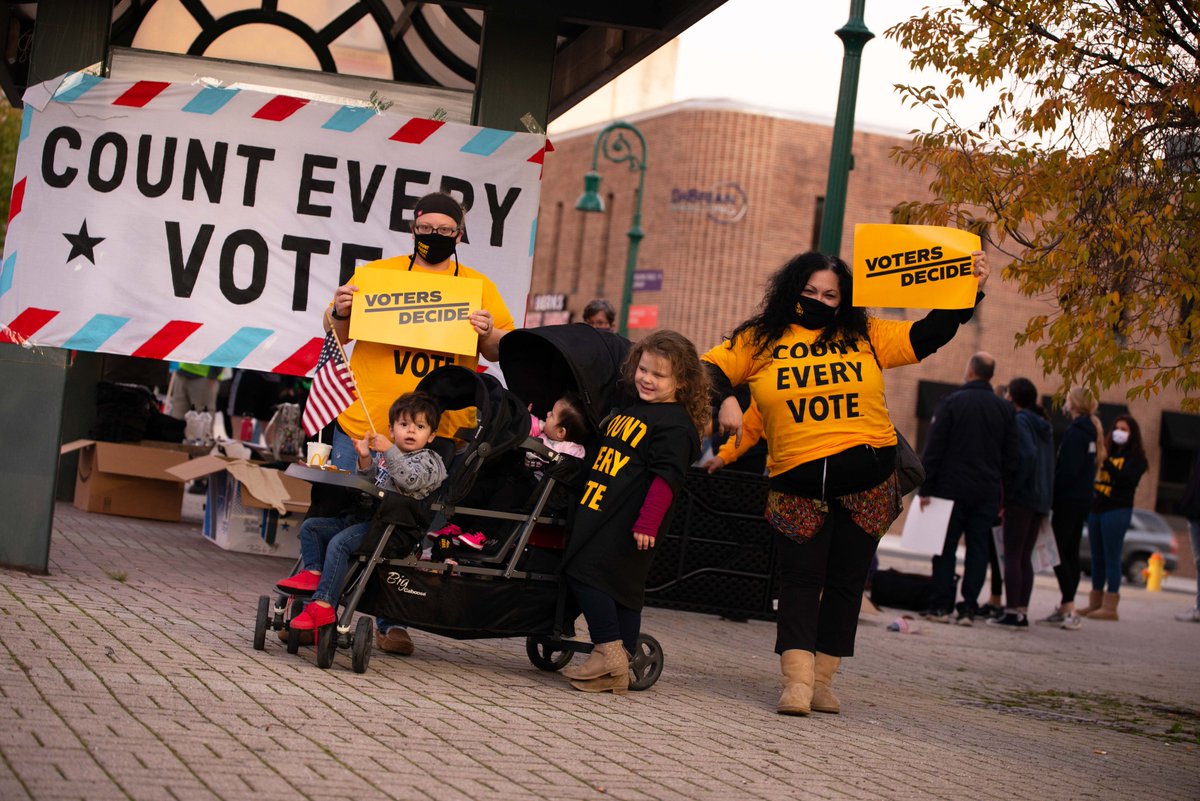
(815, 315)
(435, 248)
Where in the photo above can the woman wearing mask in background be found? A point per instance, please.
(1080, 453)
(1112, 509)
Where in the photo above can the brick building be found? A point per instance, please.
(731, 192)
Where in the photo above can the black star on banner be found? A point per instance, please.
(82, 244)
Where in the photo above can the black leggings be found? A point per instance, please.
(1068, 522)
(607, 620)
(821, 586)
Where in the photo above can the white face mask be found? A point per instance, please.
(1120, 436)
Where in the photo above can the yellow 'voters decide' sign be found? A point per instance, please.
(417, 310)
(914, 267)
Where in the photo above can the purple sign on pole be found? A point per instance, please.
(647, 280)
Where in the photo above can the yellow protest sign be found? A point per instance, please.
(914, 267)
(418, 310)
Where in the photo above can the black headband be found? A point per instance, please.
(439, 203)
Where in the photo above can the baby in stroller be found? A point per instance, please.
(508, 485)
(326, 543)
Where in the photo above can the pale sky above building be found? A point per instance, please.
(784, 54)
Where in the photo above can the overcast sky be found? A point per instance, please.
(784, 54)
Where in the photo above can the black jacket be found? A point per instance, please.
(971, 452)
(1075, 470)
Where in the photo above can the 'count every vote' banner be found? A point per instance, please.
(211, 225)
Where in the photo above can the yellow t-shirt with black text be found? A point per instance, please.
(818, 399)
(385, 372)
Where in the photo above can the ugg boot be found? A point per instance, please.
(1095, 598)
(823, 699)
(611, 675)
(797, 667)
(600, 662)
(1108, 609)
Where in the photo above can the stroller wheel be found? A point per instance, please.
(260, 622)
(326, 645)
(364, 641)
(545, 656)
(647, 663)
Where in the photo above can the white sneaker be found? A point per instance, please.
(1190, 616)
(1071, 623)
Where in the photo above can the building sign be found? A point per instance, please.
(647, 280)
(643, 316)
(723, 202)
(545, 303)
(534, 319)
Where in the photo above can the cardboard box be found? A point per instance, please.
(130, 479)
(250, 509)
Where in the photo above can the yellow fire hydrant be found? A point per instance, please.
(1154, 572)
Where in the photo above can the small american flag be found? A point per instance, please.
(332, 388)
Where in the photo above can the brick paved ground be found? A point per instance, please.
(148, 688)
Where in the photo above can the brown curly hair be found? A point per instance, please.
(690, 376)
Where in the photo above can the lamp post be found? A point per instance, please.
(617, 146)
(854, 36)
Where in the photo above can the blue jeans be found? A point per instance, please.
(326, 544)
(1106, 538)
(606, 619)
(343, 456)
(973, 519)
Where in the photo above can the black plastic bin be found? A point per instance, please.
(719, 555)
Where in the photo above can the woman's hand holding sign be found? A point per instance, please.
(489, 335)
(982, 268)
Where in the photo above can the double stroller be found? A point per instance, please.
(514, 587)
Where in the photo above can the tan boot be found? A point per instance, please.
(612, 674)
(1108, 609)
(1095, 598)
(797, 667)
(823, 699)
(602, 661)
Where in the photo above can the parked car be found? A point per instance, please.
(1148, 533)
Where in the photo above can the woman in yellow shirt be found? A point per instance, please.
(814, 363)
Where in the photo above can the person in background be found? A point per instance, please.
(1189, 507)
(1080, 453)
(969, 458)
(600, 314)
(833, 489)
(383, 372)
(1027, 501)
(1112, 509)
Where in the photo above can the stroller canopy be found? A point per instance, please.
(542, 364)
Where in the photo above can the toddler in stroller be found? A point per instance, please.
(326, 543)
(508, 484)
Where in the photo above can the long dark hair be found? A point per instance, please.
(778, 311)
(1134, 446)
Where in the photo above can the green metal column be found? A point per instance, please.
(70, 34)
(516, 63)
(854, 36)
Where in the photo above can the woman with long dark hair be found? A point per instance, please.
(1116, 482)
(814, 363)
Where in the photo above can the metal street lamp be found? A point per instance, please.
(618, 148)
(854, 35)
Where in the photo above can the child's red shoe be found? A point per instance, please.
(314, 617)
(449, 530)
(472, 539)
(304, 581)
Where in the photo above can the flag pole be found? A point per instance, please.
(349, 372)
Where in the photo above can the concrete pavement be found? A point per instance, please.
(128, 673)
